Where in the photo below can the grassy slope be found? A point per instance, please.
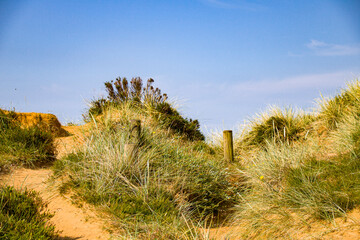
(300, 168)
(172, 185)
(297, 168)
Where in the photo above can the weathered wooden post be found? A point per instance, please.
(130, 148)
(228, 146)
(135, 131)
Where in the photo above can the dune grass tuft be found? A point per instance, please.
(278, 126)
(333, 110)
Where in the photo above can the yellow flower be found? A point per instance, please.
(153, 132)
(261, 177)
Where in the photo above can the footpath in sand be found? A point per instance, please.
(72, 222)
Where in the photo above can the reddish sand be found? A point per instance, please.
(73, 222)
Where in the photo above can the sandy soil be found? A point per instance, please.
(341, 229)
(73, 222)
(66, 145)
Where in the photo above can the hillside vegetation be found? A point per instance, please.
(292, 168)
(300, 167)
(21, 145)
(23, 214)
(173, 184)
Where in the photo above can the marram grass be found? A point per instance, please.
(166, 191)
(291, 174)
(293, 183)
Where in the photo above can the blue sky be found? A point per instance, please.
(223, 61)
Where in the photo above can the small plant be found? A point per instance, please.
(70, 124)
(23, 216)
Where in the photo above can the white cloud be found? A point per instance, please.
(327, 49)
(289, 86)
(302, 82)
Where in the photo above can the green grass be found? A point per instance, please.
(27, 146)
(292, 182)
(23, 216)
(150, 100)
(169, 188)
(288, 185)
(277, 125)
(289, 173)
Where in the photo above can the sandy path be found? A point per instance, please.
(72, 222)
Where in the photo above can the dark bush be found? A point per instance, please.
(170, 118)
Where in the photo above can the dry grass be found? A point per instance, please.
(168, 189)
(295, 181)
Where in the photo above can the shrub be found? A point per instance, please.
(119, 91)
(148, 98)
(170, 118)
(23, 216)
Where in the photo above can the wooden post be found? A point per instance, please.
(228, 146)
(131, 148)
(130, 151)
(135, 131)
